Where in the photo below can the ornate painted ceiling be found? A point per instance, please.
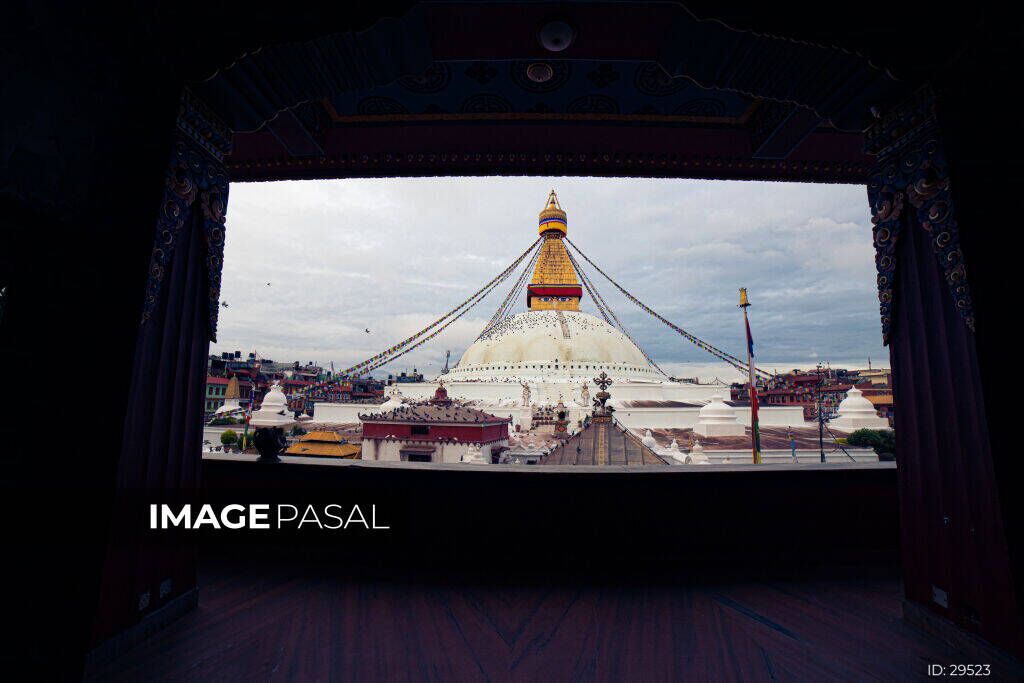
(574, 90)
(448, 89)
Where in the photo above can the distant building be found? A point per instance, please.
(437, 431)
(296, 391)
(878, 378)
(230, 363)
(217, 364)
(883, 403)
(403, 378)
(216, 390)
(365, 390)
(803, 389)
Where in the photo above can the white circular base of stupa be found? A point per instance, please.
(553, 346)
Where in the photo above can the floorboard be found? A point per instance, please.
(281, 623)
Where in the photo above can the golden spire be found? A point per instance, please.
(552, 217)
(554, 285)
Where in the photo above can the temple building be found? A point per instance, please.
(438, 431)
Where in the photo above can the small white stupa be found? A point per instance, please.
(273, 411)
(856, 412)
(649, 440)
(675, 453)
(394, 400)
(474, 455)
(231, 399)
(718, 418)
(697, 456)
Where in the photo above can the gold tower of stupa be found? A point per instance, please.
(554, 286)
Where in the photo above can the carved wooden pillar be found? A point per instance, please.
(161, 453)
(955, 553)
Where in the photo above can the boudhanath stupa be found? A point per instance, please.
(524, 365)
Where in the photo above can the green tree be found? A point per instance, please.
(298, 431)
(882, 441)
(228, 437)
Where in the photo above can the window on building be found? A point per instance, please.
(420, 430)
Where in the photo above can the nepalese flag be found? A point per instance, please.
(755, 429)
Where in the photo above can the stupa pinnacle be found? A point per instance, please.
(554, 286)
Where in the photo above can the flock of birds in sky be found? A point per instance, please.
(225, 304)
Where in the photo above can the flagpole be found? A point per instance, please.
(755, 436)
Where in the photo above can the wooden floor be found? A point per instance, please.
(296, 623)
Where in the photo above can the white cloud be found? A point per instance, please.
(392, 255)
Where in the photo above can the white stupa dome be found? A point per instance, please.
(718, 418)
(394, 401)
(273, 411)
(474, 455)
(856, 412)
(274, 398)
(855, 405)
(696, 456)
(553, 344)
(717, 411)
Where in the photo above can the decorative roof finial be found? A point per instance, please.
(553, 216)
(441, 395)
(603, 381)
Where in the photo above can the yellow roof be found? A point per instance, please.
(324, 444)
(322, 449)
(330, 437)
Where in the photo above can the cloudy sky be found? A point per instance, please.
(392, 255)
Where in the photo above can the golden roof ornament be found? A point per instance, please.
(603, 381)
(552, 217)
(554, 286)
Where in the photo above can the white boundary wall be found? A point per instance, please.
(550, 392)
(774, 457)
(646, 418)
(686, 418)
